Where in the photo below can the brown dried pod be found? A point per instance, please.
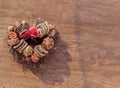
(48, 43)
(12, 35)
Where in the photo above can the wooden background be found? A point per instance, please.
(88, 55)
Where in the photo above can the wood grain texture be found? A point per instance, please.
(87, 55)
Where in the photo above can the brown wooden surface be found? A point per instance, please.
(88, 55)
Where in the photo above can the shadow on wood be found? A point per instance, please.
(52, 68)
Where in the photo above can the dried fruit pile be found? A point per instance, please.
(33, 42)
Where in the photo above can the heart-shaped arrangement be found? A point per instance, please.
(32, 42)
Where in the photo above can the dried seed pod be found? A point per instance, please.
(44, 28)
(35, 57)
(10, 28)
(40, 51)
(28, 51)
(51, 26)
(21, 46)
(53, 33)
(12, 35)
(20, 27)
(12, 42)
(48, 43)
